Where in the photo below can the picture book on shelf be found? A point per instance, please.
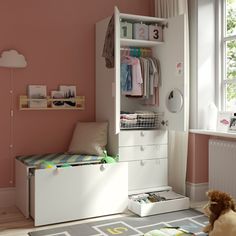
(38, 94)
(57, 95)
(232, 125)
(69, 92)
(223, 120)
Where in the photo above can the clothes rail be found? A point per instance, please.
(136, 51)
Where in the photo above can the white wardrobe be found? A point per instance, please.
(145, 150)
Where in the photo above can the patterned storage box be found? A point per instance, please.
(140, 31)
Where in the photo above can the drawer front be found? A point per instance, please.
(159, 207)
(142, 137)
(147, 174)
(79, 192)
(142, 152)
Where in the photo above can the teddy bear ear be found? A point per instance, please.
(208, 193)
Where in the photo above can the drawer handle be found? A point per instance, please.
(142, 163)
(102, 167)
(142, 134)
(141, 148)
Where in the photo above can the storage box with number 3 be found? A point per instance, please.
(155, 33)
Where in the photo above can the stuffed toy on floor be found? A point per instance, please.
(221, 212)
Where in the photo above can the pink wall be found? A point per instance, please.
(57, 39)
(197, 167)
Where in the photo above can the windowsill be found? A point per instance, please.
(214, 133)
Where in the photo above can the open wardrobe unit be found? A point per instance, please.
(144, 96)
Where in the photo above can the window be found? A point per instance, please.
(229, 55)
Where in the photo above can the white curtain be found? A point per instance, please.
(170, 8)
(178, 141)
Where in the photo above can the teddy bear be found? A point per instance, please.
(221, 212)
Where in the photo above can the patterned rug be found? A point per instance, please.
(190, 220)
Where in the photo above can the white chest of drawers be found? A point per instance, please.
(146, 152)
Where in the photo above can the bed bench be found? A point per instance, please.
(87, 189)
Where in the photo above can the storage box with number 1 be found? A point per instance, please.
(126, 30)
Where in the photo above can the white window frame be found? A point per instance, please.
(218, 54)
(223, 39)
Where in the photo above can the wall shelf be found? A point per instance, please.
(78, 100)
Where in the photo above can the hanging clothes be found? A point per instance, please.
(145, 74)
(108, 48)
(126, 77)
(157, 75)
(140, 75)
(154, 79)
(137, 79)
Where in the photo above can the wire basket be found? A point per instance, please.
(140, 120)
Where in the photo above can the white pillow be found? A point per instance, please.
(89, 138)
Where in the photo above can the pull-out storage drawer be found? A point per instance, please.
(141, 152)
(146, 174)
(77, 192)
(142, 137)
(172, 202)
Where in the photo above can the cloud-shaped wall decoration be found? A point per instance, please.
(12, 59)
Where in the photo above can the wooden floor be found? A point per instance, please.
(13, 223)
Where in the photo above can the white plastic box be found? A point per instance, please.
(175, 203)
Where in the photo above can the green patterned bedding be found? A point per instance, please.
(58, 159)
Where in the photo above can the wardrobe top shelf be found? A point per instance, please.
(139, 18)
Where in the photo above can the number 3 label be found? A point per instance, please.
(155, 33)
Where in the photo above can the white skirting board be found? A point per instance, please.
(7, 197)
(197, 192)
